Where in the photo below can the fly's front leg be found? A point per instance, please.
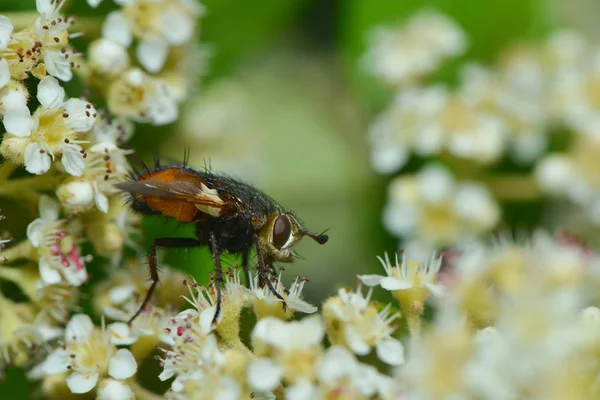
(264, 270)
(167, 243)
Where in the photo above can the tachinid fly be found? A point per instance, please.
(229, 215)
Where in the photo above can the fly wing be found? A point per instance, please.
(205, 199)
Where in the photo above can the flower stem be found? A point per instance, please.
(21, 19)
(142, 393)
(6, 170)
(513, 187)
(38, 182)
(414, 325)
(17, 252)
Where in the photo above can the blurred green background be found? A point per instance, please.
(306, 102)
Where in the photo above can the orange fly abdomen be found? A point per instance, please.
(183, 211)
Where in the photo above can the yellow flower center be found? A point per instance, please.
(51, 128)
(22, 54)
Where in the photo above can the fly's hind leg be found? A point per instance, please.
(218, 273)
(167, 243)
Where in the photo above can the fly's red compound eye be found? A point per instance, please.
(282, 231)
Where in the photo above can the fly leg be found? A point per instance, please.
(167, 243)
(218, 272)
(245, 260)
(263, 272)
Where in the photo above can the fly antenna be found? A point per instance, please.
(320, 238)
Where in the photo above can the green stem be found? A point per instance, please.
(38, 182)
(6, 170)
(18, 252)
(142, 393)
(513, 187)
(22, 19)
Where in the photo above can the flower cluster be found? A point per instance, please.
(535, 93)
(73, 154)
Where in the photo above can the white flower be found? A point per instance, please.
(400, 54)
(437, 210)
(352, 322)
(88, 355)
(265, 303)
(158, 26)
(58, 251)
(51, 30)
(108, 57)
(410, 124)
(154, 102)
(407, 275)
(293, 347)
(105, 165)
(52, 130)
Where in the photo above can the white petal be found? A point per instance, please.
(101, 202)
(79, 328)
(436, 289)
(18, 121)
(35, 232)
(337, 363)
(394, 284)
(177, 27)
(82, 383)
(73, 162)
(44, 7)
(94, 3)
(120, 294)
(370, 280)
(206, 318)
(14, 99)
(264, 375)
(57, 362)
(116, 28)
(121, 334)
(50, 94)
(122, 365)
(48, 209)
(388, 159)
(228, 389)
(81, 115)
(37, 160)
(4, 72)
(110, 389)
(355, 341)
(49, 275)
(301, 306)
(302, 390)
(75, 276)
(390, 351)
(152, 54)
(6, 30)
(57, 65)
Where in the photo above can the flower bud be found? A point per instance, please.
(76, 195)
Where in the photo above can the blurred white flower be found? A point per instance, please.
(88, 355)
(59, 252)
(52, 130)
(158, 25)
(142, 98)
(435, 209)
(107, 57)
(398, 55)
(292, 349)
(573, 174)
